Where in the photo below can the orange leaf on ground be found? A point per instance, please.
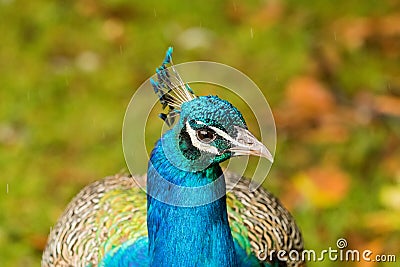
(389, 25)
(389, 105)
(323, 186)
(332, 129)
(291, 197)
(113, 30)
(38, 241)
(352, 32)
(307, 100)
(390, 163)
(270, 13)
(311, 112)
(308, 95)
(375, 246)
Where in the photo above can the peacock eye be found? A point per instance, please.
(206, 135)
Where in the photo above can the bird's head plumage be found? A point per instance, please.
(209, 129)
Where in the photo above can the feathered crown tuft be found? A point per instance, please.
(172, 92)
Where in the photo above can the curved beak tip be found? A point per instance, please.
(266, 154)
(248, 144)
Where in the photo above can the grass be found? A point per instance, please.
(69, 68)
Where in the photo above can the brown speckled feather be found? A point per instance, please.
(113, 210)
(269, 225)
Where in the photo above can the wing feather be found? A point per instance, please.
(111, 211)
(269, 226)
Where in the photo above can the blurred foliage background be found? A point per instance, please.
(329, 69)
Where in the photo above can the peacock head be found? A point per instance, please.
(209, 131)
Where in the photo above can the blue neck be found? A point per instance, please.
(186, 236)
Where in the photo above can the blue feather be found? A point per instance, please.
(187, 217)
(128, 254)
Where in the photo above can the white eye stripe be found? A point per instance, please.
(198, 144)
(224, 135)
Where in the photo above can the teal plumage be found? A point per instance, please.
(113, 222)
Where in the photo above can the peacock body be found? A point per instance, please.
(113, 222)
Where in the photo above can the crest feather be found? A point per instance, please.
(172, 92)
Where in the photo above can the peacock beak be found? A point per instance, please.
(247, 144)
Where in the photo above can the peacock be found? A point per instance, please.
(113, 222)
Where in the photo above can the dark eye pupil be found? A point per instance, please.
(205, 136)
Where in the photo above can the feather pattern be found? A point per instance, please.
(106, 223)
(103, 215)
(109, 212)
(172, 92)
(268, 225)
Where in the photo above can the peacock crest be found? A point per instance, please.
(171, 90)
(187, 218)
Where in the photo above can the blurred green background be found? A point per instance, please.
(329, 69)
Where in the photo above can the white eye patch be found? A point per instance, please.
(225, 135)
(222, 134)
(197, 143)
